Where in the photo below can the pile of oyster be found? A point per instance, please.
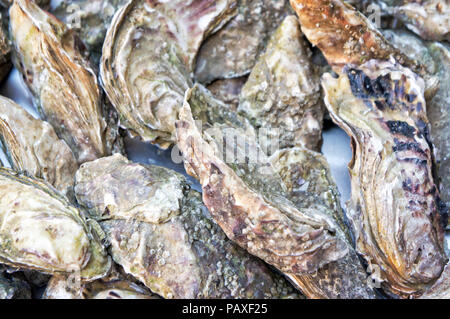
(239, 91)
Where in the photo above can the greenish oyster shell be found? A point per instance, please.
(244, 194)
(395, 209)
(228, 90)
(65, 89)
(32, 146)
(233, 50)
(430, 19)
(282, 94)
(90, 18)
(12, 287)
(161, 233)
(41, 230)
(147, 60)
(438, 111)
(310, 185)
(5, 51)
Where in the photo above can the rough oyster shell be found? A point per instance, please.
(166, 241)
(64, 86)
(41, 230)
(228, 90)
(282, 93)
(441, 288)
(394, 206)
(148, 56)
(247, 200)
(90, 18)
(32, 146)
(310, 185)
(233, 50)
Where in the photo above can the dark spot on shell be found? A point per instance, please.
(402, 128)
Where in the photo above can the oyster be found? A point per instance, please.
(90, 18)
(148, 56)
(5, 51)
(41, 230)
(430, 19)
(441, 288)
(64, 86)
(438, 111)
(395, 209)
(310, 185)
(344, 35)
(161, 233)
(32, 146)
(228, 90)
(282, 93)
(244, 195)
(233, 50)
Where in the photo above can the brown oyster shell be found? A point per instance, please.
(233, 50)
(248, 201)
(148, 56)
(41, 230)
(161, 233)
(32, 146)
(228, 90)
(50, 58)
(395, 207)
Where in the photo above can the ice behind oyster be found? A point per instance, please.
(41, 230)
(50, 58)
(32, 146)
(147, 60)
(161, 233)
(244, 194)
(233, 50)
(395, 209)
(282, 93)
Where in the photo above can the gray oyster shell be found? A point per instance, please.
(282, 94)
(161, 233)
(395, 209)
(228, 90)
(148, 57)
(441, 288)
(32, 146)
(41, 230)
(50, 58)
(244, 194)
(233, 50)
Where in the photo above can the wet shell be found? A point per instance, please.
(395, 209)
(167, 241)
(282, 93)
(147, 60)
(244, 195)
(33, 147)
(41, 230)
(64, 86)
(233, 50)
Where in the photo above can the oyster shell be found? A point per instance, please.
(394, 207)
(50, 58)
(5, 51)
(90, 18)
(244, 195)
(228, 90)
(310, 185)
(41, 230)
(32, 146)
(344, 35)
(161, 233)
(233, 50)
(441, 288)
(430, 19)
(148, 56)
(438, 111)
(282, 93)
